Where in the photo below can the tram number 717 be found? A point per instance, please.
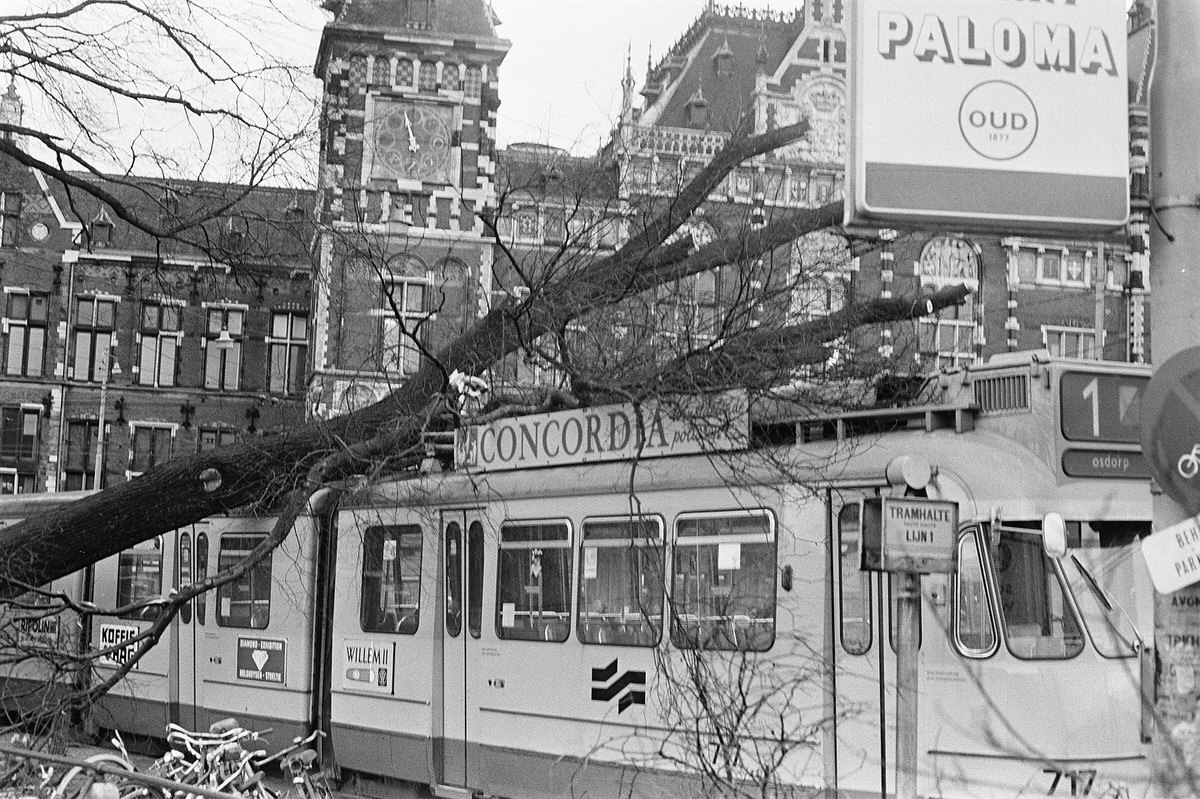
(1081, 780)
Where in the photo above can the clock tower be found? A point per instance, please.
(406, 168)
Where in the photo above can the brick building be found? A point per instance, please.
(166, 348)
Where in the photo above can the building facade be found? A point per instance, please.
(121, 351)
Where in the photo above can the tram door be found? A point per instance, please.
(863, 658)
(462, 600)
(184, 632)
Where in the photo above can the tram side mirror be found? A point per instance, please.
(1054, 535)
(785, 578)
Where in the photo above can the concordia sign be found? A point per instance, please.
(715, 423)
(989, 114)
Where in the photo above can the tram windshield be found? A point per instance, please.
(1099, 572)
(1103, 583)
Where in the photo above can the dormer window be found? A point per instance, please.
(101, 230)
(697, 107)
(10, 218)
(170, 206)
(233, 237)
(723, 60)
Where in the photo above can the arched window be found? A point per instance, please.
(474, 82)
(427, 77)
(404, 72)
(381, 72)
(450, 77)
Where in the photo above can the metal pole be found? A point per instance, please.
(908, 614)
(1175, 325)
(100, 428)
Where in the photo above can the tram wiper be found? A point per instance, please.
(1109, 605)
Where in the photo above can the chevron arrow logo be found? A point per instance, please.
(606, 685)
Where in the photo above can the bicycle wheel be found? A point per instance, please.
(78, 781)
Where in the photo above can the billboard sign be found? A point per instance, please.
(989, 115)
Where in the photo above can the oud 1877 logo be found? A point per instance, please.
(998, 120)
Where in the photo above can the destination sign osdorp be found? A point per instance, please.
(919, 535)
(1105, 463)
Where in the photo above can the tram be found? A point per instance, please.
(609, 601)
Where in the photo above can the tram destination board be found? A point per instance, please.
(908, 534)
(1099, 416)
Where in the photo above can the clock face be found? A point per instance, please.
(412, 142)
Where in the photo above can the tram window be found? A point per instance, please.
(475, 579)
(139, 577)
(1103, 583)
(854, 585)
(246, 601)
(391, 579)
(723, 594)
(201, 574)
(534, 589)
(183, 568)
(974, 628)
(1039, 624)
(620, 583)
(454, 586)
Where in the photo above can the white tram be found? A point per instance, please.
(634, 626)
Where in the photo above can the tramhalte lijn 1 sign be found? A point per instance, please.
(988, 114)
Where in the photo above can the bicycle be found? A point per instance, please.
(1189, 463)
(297, 760)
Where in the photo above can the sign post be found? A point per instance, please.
(966, 113)
(1174, 327)
(914, 536)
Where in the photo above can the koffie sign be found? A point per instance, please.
(716, 423)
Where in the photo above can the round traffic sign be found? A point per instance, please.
(1170, 427)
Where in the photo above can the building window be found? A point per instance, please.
(161, 333)
(534, 586)
(10, 218)
(723, 595)
(287, 348)
(949, 343)
(20, 430)
(621, 582)
(223, 349)
(15, 482)
(381, 71)
(101, 231)
(391, 579)
(94, 321)
(151, 446)
(139, 578)
(1070, 342)
(80, 462)
(450, 77)
(214, 437)
(403, 313)
(246, 601)
(25, 324)
(474, 82)
(404, 72)
(1062, 267)
(427, 77)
